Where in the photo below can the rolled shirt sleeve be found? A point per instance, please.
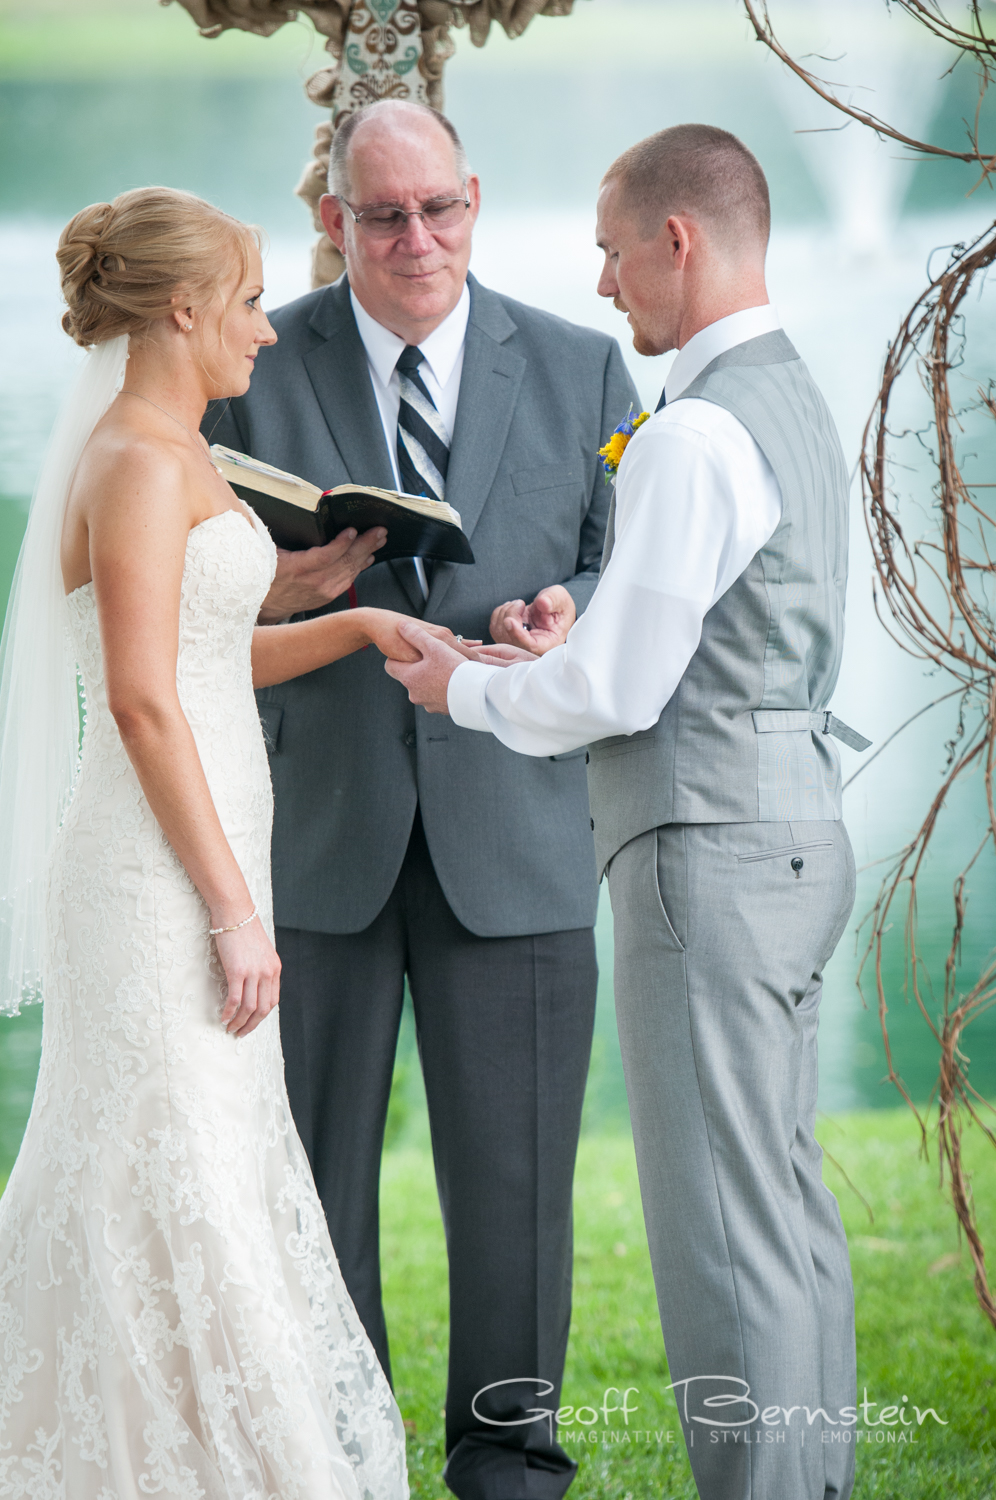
(695, 501)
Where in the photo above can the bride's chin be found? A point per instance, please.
(236, 386)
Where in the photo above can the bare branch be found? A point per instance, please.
(953, 629)
(761, 23)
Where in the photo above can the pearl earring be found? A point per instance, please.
(187, 327)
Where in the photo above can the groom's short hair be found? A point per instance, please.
(697, 170)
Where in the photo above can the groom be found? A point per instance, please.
(700, 674)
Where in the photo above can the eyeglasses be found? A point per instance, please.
(384, 222)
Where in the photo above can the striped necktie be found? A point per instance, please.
(423, 443)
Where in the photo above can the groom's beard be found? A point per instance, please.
(643, 343)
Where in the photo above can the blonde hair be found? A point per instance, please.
(123, 263)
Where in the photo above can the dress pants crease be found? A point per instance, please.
(720, 949)
(504, 1030)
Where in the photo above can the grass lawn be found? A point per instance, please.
(921, 1335)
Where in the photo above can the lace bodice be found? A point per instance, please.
(229, 568)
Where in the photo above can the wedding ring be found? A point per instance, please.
(459, 640)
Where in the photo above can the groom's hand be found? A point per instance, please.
(428, 678)
(317, 575)
(536, 627)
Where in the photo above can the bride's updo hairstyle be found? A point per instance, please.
(122, 263)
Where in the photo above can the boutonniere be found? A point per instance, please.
(611, 454)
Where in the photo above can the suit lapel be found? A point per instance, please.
(403, 569)
(337, 369)
(489, 386)
(340, 377)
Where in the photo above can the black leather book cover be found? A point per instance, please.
(409, 534)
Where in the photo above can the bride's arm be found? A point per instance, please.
(138, 514)
(280, 652)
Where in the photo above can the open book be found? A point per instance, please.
(298, 514)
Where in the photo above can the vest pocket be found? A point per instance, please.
(623, 744)
(751, 859)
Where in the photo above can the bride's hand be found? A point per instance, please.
(460, 643)
(500, 655)
(252, 968)
(382, 627)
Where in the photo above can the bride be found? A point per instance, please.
(172, 1317)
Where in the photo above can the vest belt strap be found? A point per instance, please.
(821, 721)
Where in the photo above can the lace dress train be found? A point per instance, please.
(172, 1317)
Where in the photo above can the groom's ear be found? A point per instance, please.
(330, 210)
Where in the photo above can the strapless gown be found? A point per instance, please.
(172, 1317)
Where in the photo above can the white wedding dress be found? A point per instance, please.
(172, 1317)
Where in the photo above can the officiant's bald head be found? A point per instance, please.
(699, 171)
(401, 207)
(394, 121)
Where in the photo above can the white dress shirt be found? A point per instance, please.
(440, 371)
(695, 500)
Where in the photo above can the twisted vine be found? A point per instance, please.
(931, 596)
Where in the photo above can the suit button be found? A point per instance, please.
(587, 757)
(410, 737)
(592, 822)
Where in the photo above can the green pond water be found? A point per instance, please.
(540, 134)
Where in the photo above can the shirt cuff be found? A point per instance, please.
(465, 695)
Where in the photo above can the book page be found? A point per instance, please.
(437, 510)
(239, 468)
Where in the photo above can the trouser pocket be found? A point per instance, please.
(669, 870)
(787, 849)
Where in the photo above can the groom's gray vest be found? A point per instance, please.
(745, 737)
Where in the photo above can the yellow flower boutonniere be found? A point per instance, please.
(611, 454)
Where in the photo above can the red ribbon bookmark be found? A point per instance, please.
(351, 595)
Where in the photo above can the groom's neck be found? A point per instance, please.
(719, 296)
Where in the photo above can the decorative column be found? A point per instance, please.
(379, 49)
(381, 56)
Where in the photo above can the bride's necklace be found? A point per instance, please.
(138, 395)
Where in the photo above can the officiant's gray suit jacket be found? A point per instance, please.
(510, 836)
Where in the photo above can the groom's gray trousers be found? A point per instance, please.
(722, 931)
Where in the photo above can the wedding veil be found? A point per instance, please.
(39, 707)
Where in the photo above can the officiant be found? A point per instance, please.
(407, 847)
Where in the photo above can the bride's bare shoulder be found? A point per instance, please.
(125, 465)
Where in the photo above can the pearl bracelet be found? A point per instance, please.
(214, 931)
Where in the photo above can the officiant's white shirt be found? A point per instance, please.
(440, 371)
(695, 500)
